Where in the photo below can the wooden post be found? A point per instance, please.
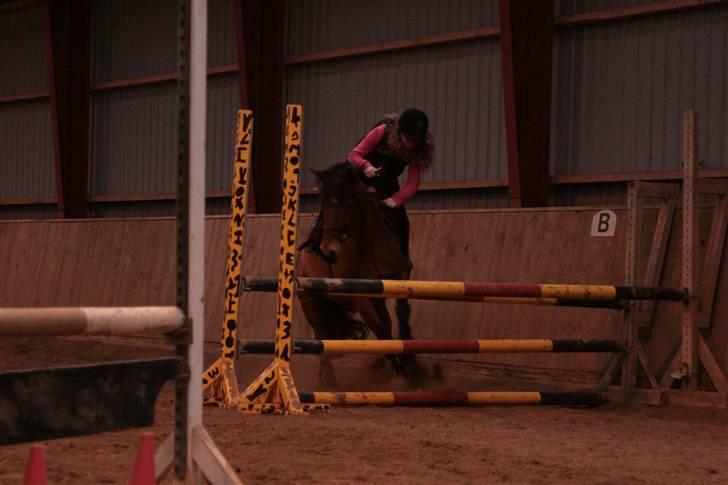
(629, 367)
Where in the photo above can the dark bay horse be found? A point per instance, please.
(354, 238)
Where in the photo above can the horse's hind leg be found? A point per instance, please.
(403, 310)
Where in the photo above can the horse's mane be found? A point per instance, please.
(340, 180)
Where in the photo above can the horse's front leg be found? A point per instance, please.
(403, 311)
(326, 375)
(403, 308)
(314, 310)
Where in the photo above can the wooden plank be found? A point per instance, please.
(164, 458)
(222, 70)
(166, 77)
(695, 398)
(393, 46)
(649, 9)
(20, 98)
(666, 175)
(653, 189)
(656, 260)
(211, 461)
(426, 186)
(712, 186)
(646, 366)
(29, 201)
(711, 366)
(667, 379)
(636, 396)
(213, 194)
(713, 258)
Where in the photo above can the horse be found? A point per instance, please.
(354, 237)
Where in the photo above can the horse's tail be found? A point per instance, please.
(340, 323)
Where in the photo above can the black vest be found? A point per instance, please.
(392, 165)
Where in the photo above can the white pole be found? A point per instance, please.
(196, 309)
(150, 320)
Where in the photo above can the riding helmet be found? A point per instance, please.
(413, 124)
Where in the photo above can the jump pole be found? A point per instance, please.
(453, 398)
(474, 291)
(394, 347)
(32, 322)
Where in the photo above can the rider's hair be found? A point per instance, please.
(419, 155)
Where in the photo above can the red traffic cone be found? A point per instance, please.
(144, 473)
(35, 470)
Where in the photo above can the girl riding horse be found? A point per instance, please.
(362, 231)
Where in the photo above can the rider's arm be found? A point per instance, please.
(410, 187)
(365, 146)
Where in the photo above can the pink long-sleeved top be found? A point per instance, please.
(369, 143)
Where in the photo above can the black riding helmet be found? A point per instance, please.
(413, 124)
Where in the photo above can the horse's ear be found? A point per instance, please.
(317, 173)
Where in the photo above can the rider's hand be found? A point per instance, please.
(371, 171)
(389, 202)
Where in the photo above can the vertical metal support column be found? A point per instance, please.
(259, 37)
(689, 238)
(526, 50)
(183, 232)
(68, 26)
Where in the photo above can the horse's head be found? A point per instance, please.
(344, 202)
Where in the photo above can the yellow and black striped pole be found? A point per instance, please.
(396, 347)
(545, 294)
(274, 391)
(220, 378)
(453, 398)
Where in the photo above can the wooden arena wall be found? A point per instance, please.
(131, 262)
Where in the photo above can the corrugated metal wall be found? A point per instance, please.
(135, 128)
(458, 85)
(24, 53)
(135, 141)
(27, 169)
(618, 94)
(134, 38)
(620, 90)
(320, 25)
(221, 40)
(26, 163)
(223, 100)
